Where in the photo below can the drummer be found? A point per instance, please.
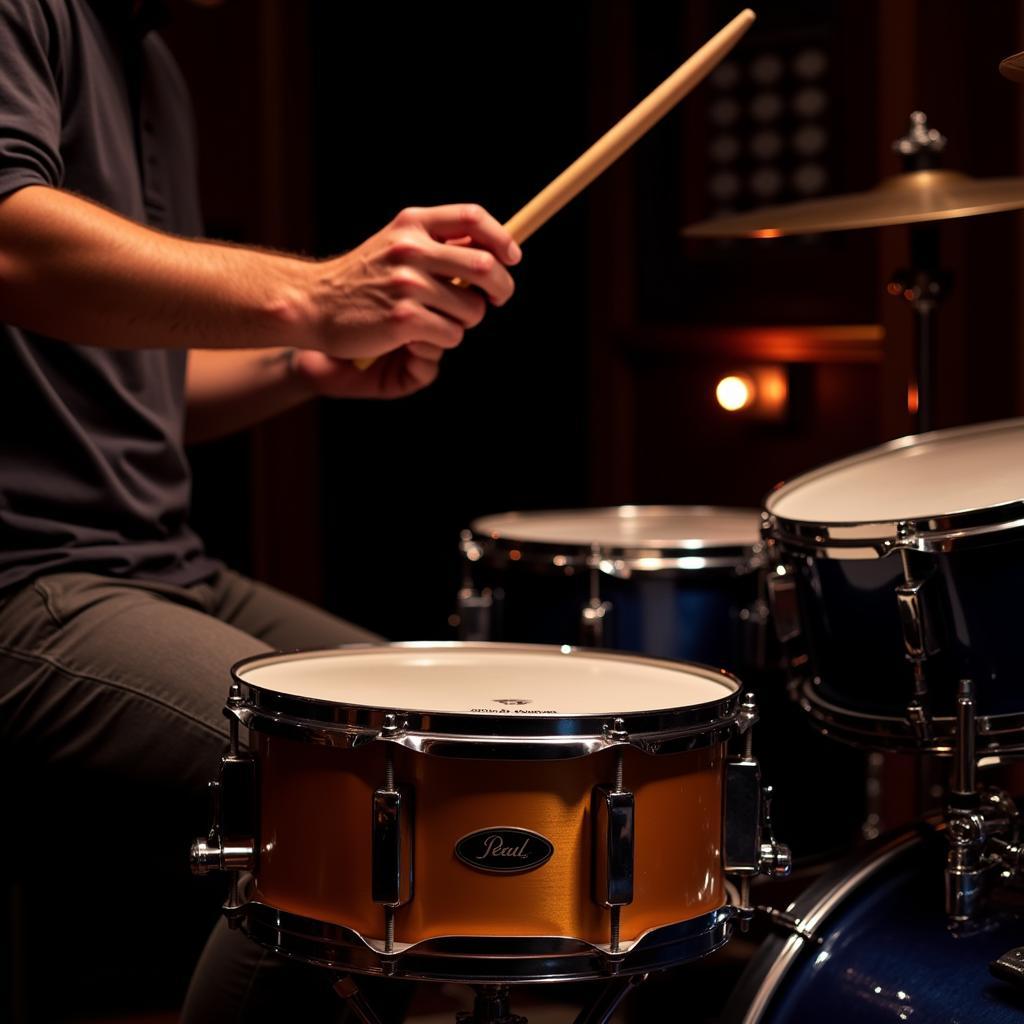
(123, 338)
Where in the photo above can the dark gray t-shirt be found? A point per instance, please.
(93, 475)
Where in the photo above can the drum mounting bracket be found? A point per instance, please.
(982, 828)
(230, 845)
(749, 846)
(789, 923)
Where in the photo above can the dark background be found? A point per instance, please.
(319, 120)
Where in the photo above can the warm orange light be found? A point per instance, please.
(912, 399)
(735, 392)
(759, 392)
(772, 389)
(768, 233)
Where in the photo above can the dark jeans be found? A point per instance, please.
(111, 725)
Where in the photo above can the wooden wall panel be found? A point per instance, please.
(660, 311)
(684, 312)
(248, 65)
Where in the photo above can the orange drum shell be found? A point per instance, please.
(315, 844)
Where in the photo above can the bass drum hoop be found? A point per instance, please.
(996, 734)
(814, 910)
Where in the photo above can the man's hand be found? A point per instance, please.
(229, 389)
(395, 289)
(240, 310)
(399, 373)
(123, 285)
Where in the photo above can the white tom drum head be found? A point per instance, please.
(679, 527)
(503, 680)
(931, 475)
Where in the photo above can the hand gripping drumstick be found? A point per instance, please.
(644, 116)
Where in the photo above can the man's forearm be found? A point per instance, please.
(230, 390)
(75, 271)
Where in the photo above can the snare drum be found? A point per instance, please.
(484, 812)
(669, 581)
(899, 573)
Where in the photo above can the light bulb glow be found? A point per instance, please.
(735, 392)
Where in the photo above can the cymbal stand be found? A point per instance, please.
(608, 999)
(347, 989)
(923, 285)
(491, 1005)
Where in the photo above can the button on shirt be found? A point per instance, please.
(93, 474)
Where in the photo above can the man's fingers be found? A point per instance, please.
(421, 371)
(472, 266)
(460, 304)
(465, 220)
(415, 322)
(424, 350)
(403, 372)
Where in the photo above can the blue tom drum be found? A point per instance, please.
(669, 581)
(898, 572)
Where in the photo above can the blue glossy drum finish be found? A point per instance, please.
(852, 639)
(884, 952)
(696, 599)
(693, 615)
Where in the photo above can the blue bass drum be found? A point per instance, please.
(676, 582)
(898, 573)
(875, 948)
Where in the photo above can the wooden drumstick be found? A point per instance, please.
(647, 113)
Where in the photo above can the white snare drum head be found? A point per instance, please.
(503, 681)
(936, 474)
(686, 527)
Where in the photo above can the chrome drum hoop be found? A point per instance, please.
(940, 532)
(613, 560)
(514, 737)
(997, 734)
(939, 535)
(483, 959)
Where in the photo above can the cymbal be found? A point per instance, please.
(1013, 67)
(902, 199)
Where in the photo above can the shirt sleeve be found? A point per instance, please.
(30, 103)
